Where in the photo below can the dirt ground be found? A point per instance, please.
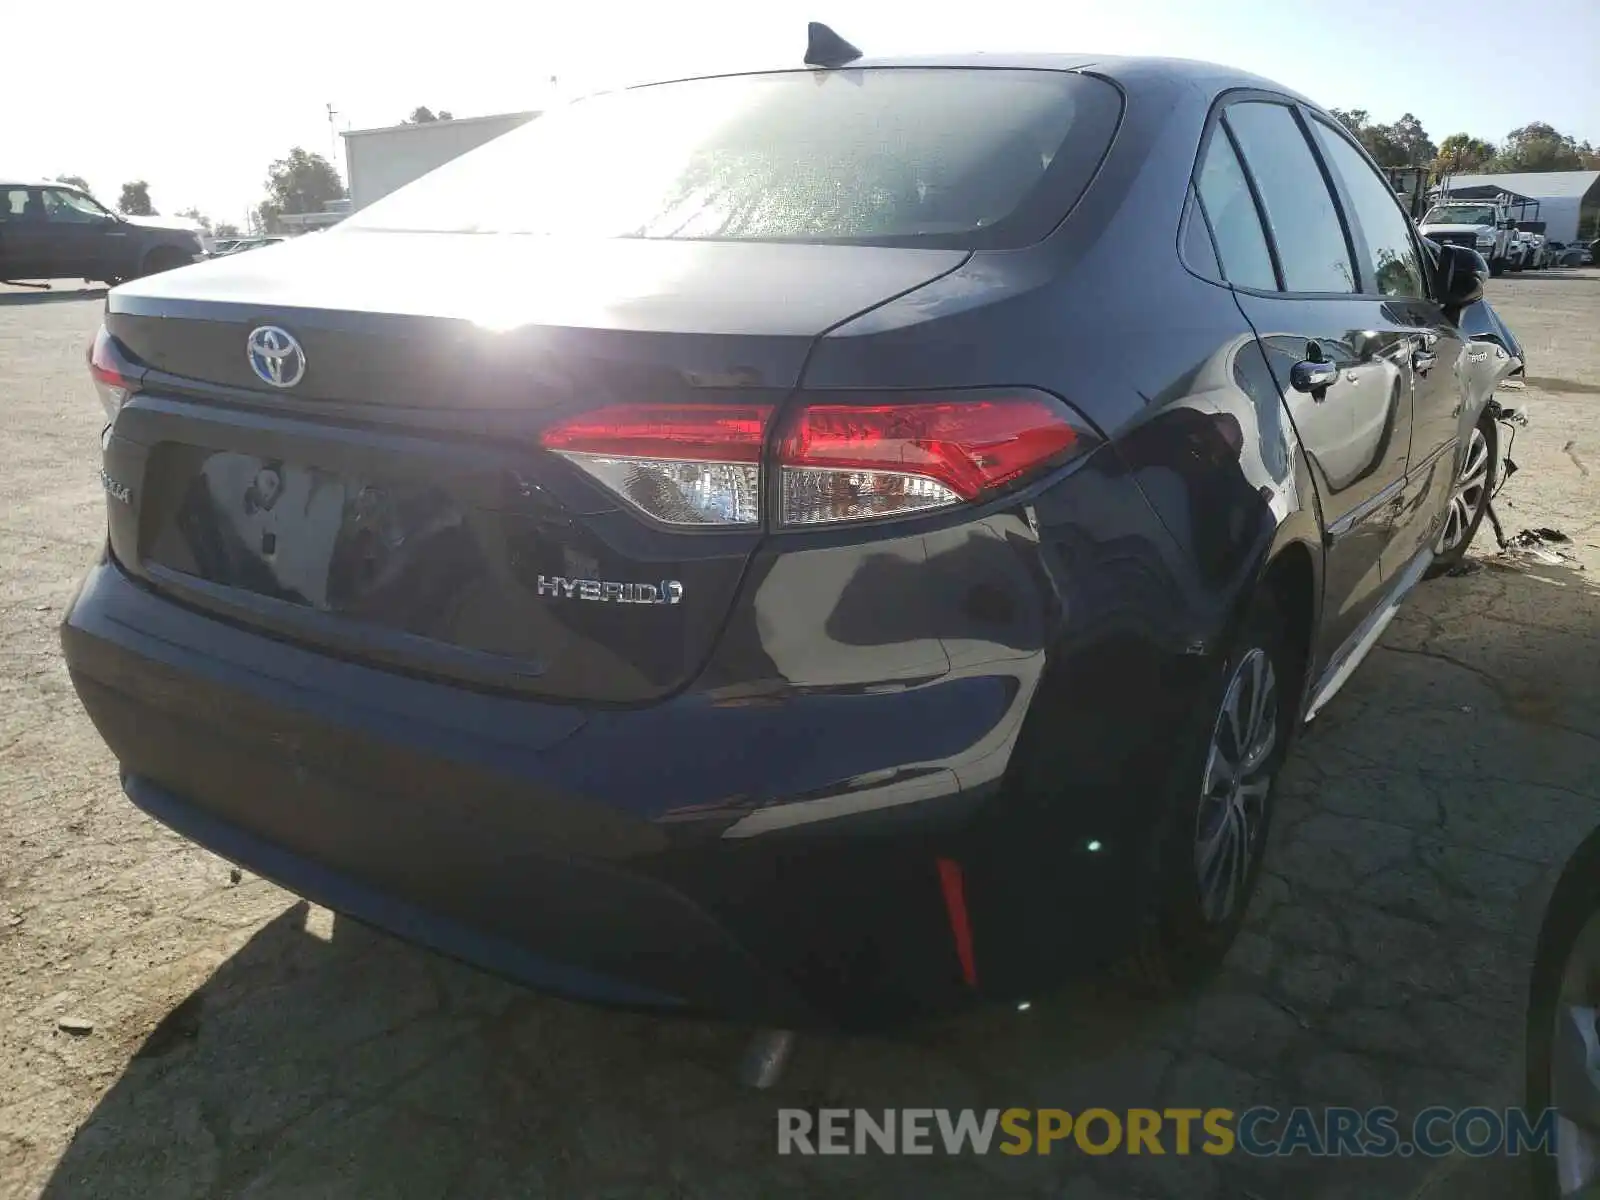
(243, 1044)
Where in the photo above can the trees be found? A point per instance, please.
(225, 229)
(135, 201)
(300, 182)
(77, 181)
(1403, 144)
(196, 216)
(1461, 152)
(1411, 139)
(422, 115)
(1539, 147)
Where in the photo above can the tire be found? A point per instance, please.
(1573, 904)
(1186, 929)
(1469, 497)
(1497, 267)
(162, 258)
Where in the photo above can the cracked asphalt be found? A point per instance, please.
(245, 1044)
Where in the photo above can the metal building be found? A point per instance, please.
(1569, 201)
(377, 161)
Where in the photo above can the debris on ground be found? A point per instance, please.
(76, 1026)
(1533, 544)
(234, 875)
(1532, 537)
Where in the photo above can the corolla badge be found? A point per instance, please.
(116, 489)
(275, 356)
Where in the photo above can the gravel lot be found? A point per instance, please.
(245, 1044)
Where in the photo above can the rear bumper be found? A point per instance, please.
(519, 836)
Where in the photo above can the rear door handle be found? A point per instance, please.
(1314, 377)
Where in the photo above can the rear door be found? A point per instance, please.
(1394, 267)
(83, 237)
(1340, 359)
(22, 234)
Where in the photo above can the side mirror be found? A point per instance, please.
(1461, 276)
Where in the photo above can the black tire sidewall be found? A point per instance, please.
(162, 258)
(1575, 899)
(1452, 558)
(1178, 947)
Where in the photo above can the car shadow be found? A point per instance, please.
(323, 1058)
(1554, 275)
(54, 296)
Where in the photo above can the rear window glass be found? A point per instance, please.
(939, 157)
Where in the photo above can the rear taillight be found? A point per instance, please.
(684, 464)
(837, 459)
(850, 462)
(115, 375)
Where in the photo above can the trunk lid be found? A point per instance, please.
(395, 505)
(435, 320)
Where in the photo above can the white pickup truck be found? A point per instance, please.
(1487, 226)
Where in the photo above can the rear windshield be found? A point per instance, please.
(956, 157)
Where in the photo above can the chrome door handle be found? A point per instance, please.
(1313, 377)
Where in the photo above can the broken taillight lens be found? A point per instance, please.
(683, 464)
(838, 459)
(115, 375)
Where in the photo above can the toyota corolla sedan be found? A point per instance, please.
(819, 546)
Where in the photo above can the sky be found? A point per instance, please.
(176, 93)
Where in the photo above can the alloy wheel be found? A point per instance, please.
(1575, 1067)
(1468, 495)
(1238, 777)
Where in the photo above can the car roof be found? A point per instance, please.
(1131, 71)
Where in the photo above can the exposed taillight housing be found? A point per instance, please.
(837, 458)
(115, 375)
(683, 464)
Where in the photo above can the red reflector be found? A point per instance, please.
(675, 432)
(955, 906)
(970, 446)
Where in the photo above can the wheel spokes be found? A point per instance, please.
(1471, 485)
(1217, 869)
(1235, 787)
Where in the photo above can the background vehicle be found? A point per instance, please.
(1485, 226)
(834, 562)
(1537, 256)
(52, 231)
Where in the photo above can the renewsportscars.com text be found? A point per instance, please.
(1259, 1132)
